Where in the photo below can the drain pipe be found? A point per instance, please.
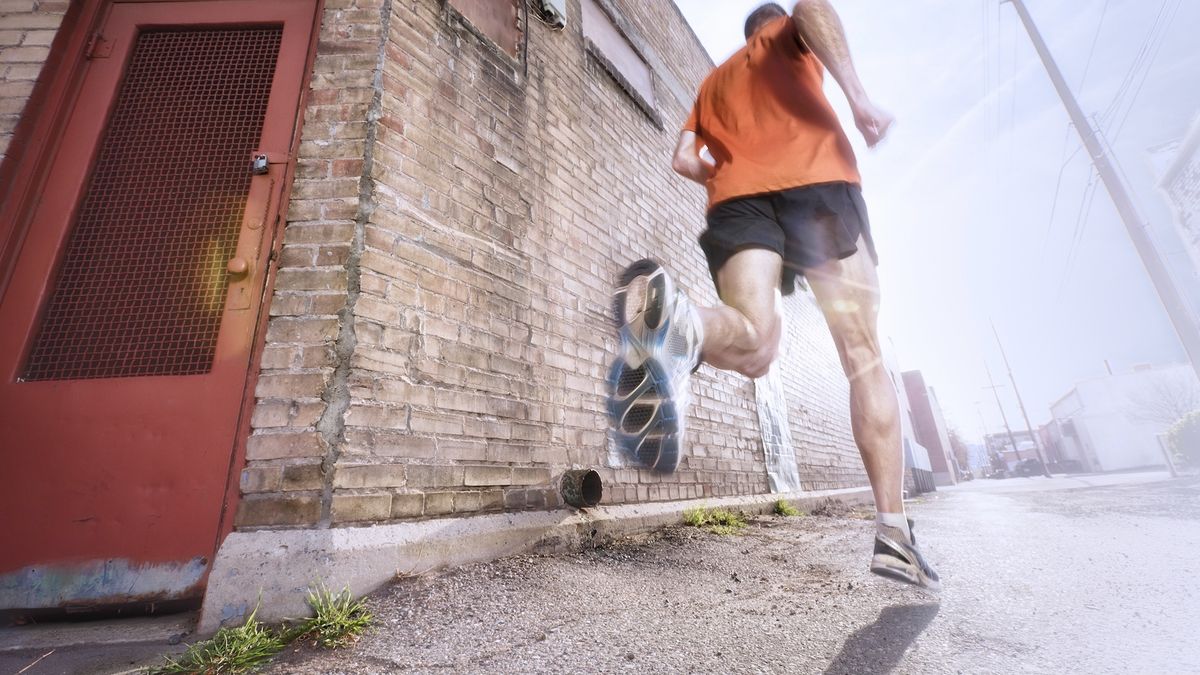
(582, 488)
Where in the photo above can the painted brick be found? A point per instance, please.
(491, 500)
(483, 256)
(387, 444)
(530, 476)
(262, 479)
(303, 477)
(408, 505)
(369, 476)
(284, 446)
(467, 502)
(359, 508)
(488, 475)
(271, 414)
(26, 30)
(24, 54)
(439, 503)
(435, 476)
(278, 510)
(466, 451)
(287, 385)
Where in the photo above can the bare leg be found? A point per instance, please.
(742, 333)
(848, 293)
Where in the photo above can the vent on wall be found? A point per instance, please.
(554, 12)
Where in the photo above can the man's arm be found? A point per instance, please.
(822, 31)
(688, 162)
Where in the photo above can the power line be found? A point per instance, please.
(1062, 170)
(1137, 226)
(1081, 220)
(1087, 68)
(1135, 68)
(1138, 71)
(1153, 57)
(1095, 40)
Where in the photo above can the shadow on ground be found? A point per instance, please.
(878, 647)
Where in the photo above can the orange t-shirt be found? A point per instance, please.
(766, 121)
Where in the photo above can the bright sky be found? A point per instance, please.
(962, 192)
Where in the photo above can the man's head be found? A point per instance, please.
(759, 17)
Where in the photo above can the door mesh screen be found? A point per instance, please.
(141, 285)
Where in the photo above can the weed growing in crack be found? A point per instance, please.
(783, 508)
(717, 521)
(339, 619)
(338, 622)
(230, 651)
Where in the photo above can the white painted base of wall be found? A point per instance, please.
(273, 569)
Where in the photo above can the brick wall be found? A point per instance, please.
(440, 333)
(27, 27)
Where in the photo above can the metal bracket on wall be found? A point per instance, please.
(98, 47)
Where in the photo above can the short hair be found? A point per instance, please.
(762, 15)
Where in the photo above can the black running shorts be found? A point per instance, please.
(807, 226)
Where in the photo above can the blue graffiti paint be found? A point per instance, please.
(98, 582)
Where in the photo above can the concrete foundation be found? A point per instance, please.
(274, 569)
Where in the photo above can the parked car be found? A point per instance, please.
(1066, 466)
(1029, 467)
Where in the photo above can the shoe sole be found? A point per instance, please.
(890, 568)
(641, 404)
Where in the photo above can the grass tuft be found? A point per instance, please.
(783, 508)
(717, 521)
(339, 620)
(230, 651)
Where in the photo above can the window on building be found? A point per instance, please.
(613, 49)
(496, 19)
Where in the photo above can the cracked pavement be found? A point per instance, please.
(1041, 576)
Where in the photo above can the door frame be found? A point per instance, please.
(34, 145)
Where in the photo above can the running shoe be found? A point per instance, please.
(897, 558)
(649, 384)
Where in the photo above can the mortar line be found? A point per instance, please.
(332, 425)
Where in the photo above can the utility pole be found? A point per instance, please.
(982, 421)
(1137, 226)
(1037, 443)
(995, 391)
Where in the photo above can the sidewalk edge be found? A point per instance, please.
(273, 569)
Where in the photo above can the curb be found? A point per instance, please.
(273, 569)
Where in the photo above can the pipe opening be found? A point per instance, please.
(582, 488)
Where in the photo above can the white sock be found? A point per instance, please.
(893, 520)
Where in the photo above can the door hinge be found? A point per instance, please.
(99, 47)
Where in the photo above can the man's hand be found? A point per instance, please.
(873, 122)
(689, 162)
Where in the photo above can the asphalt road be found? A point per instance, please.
(1082, 575)
(1041, 576)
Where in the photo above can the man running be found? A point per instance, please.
(783, 201)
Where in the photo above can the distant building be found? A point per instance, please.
(918, 471)
(1180, 183)
(977, 459)
(930, 426)
(1112, 423)
(1001, 444)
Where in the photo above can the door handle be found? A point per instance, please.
(238, 267)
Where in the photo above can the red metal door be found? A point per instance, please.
(127, 324)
